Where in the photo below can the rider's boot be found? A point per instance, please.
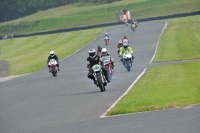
(49, 69)
(95, 82)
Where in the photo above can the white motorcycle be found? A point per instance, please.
(127, 60)
(106, 40)
(99, 77)
(53, 67)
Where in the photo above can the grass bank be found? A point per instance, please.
(74, 15)
(163, 87)
(22, 54)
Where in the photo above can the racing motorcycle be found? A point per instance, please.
(99, 77)
(53, 67)
(127, 60)
(106, 40)
(133, 27)
(108, 66)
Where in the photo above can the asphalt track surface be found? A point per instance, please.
(71, 103)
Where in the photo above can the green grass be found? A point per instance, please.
(29, 54)
(163, 87)
(180, 40)
(72, 16)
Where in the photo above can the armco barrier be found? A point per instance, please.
(107, 24)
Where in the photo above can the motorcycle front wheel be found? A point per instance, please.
(54, 72)
(128, 65)
(100, 83)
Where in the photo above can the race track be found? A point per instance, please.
(71, 103)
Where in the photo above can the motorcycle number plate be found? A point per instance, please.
(105, 61)
(96, 67)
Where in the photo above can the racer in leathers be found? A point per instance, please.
(125, 40)
(53, 56)
(105, 53)
(106, 34)
(99, 50)
(123, 49)
(119, 45)
(92, 60)
(134, 21)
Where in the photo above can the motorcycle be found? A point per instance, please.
(133, 27)
(53, 67)
(99, 77)
(127, 60)
(106, 40)
(108, 66)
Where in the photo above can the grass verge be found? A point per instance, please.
(22, 54)
(163, 87)
(180, 40)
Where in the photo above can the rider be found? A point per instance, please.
(125, 40)
(92, 60)
(99, 48)
(119, 45)
(134, 21)
(53, 56)
(106, 35)
(105, 53)
(124, 48)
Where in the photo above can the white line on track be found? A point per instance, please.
(182, 107)
(166, 23)
(104, 115)
(11, 77)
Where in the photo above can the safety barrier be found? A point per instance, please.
(107, 24)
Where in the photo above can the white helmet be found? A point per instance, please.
(125, 41)
(104, 51)
(92, 53)
(52, 54)
(125, 45)
(106, 33)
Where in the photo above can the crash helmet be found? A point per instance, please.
(92, 53)
(52, 53)
(125, 45)
(125, 40)
(124, 36)
(104, 51)
(99, 48)
(106, 33)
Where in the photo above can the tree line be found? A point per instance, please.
(13, 9)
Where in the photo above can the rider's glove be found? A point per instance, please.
(132, 57)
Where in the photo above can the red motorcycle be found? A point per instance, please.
(53, 67)
(108, 66)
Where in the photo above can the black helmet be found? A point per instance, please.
(124, 36)
(99, 48)
(92, 52)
